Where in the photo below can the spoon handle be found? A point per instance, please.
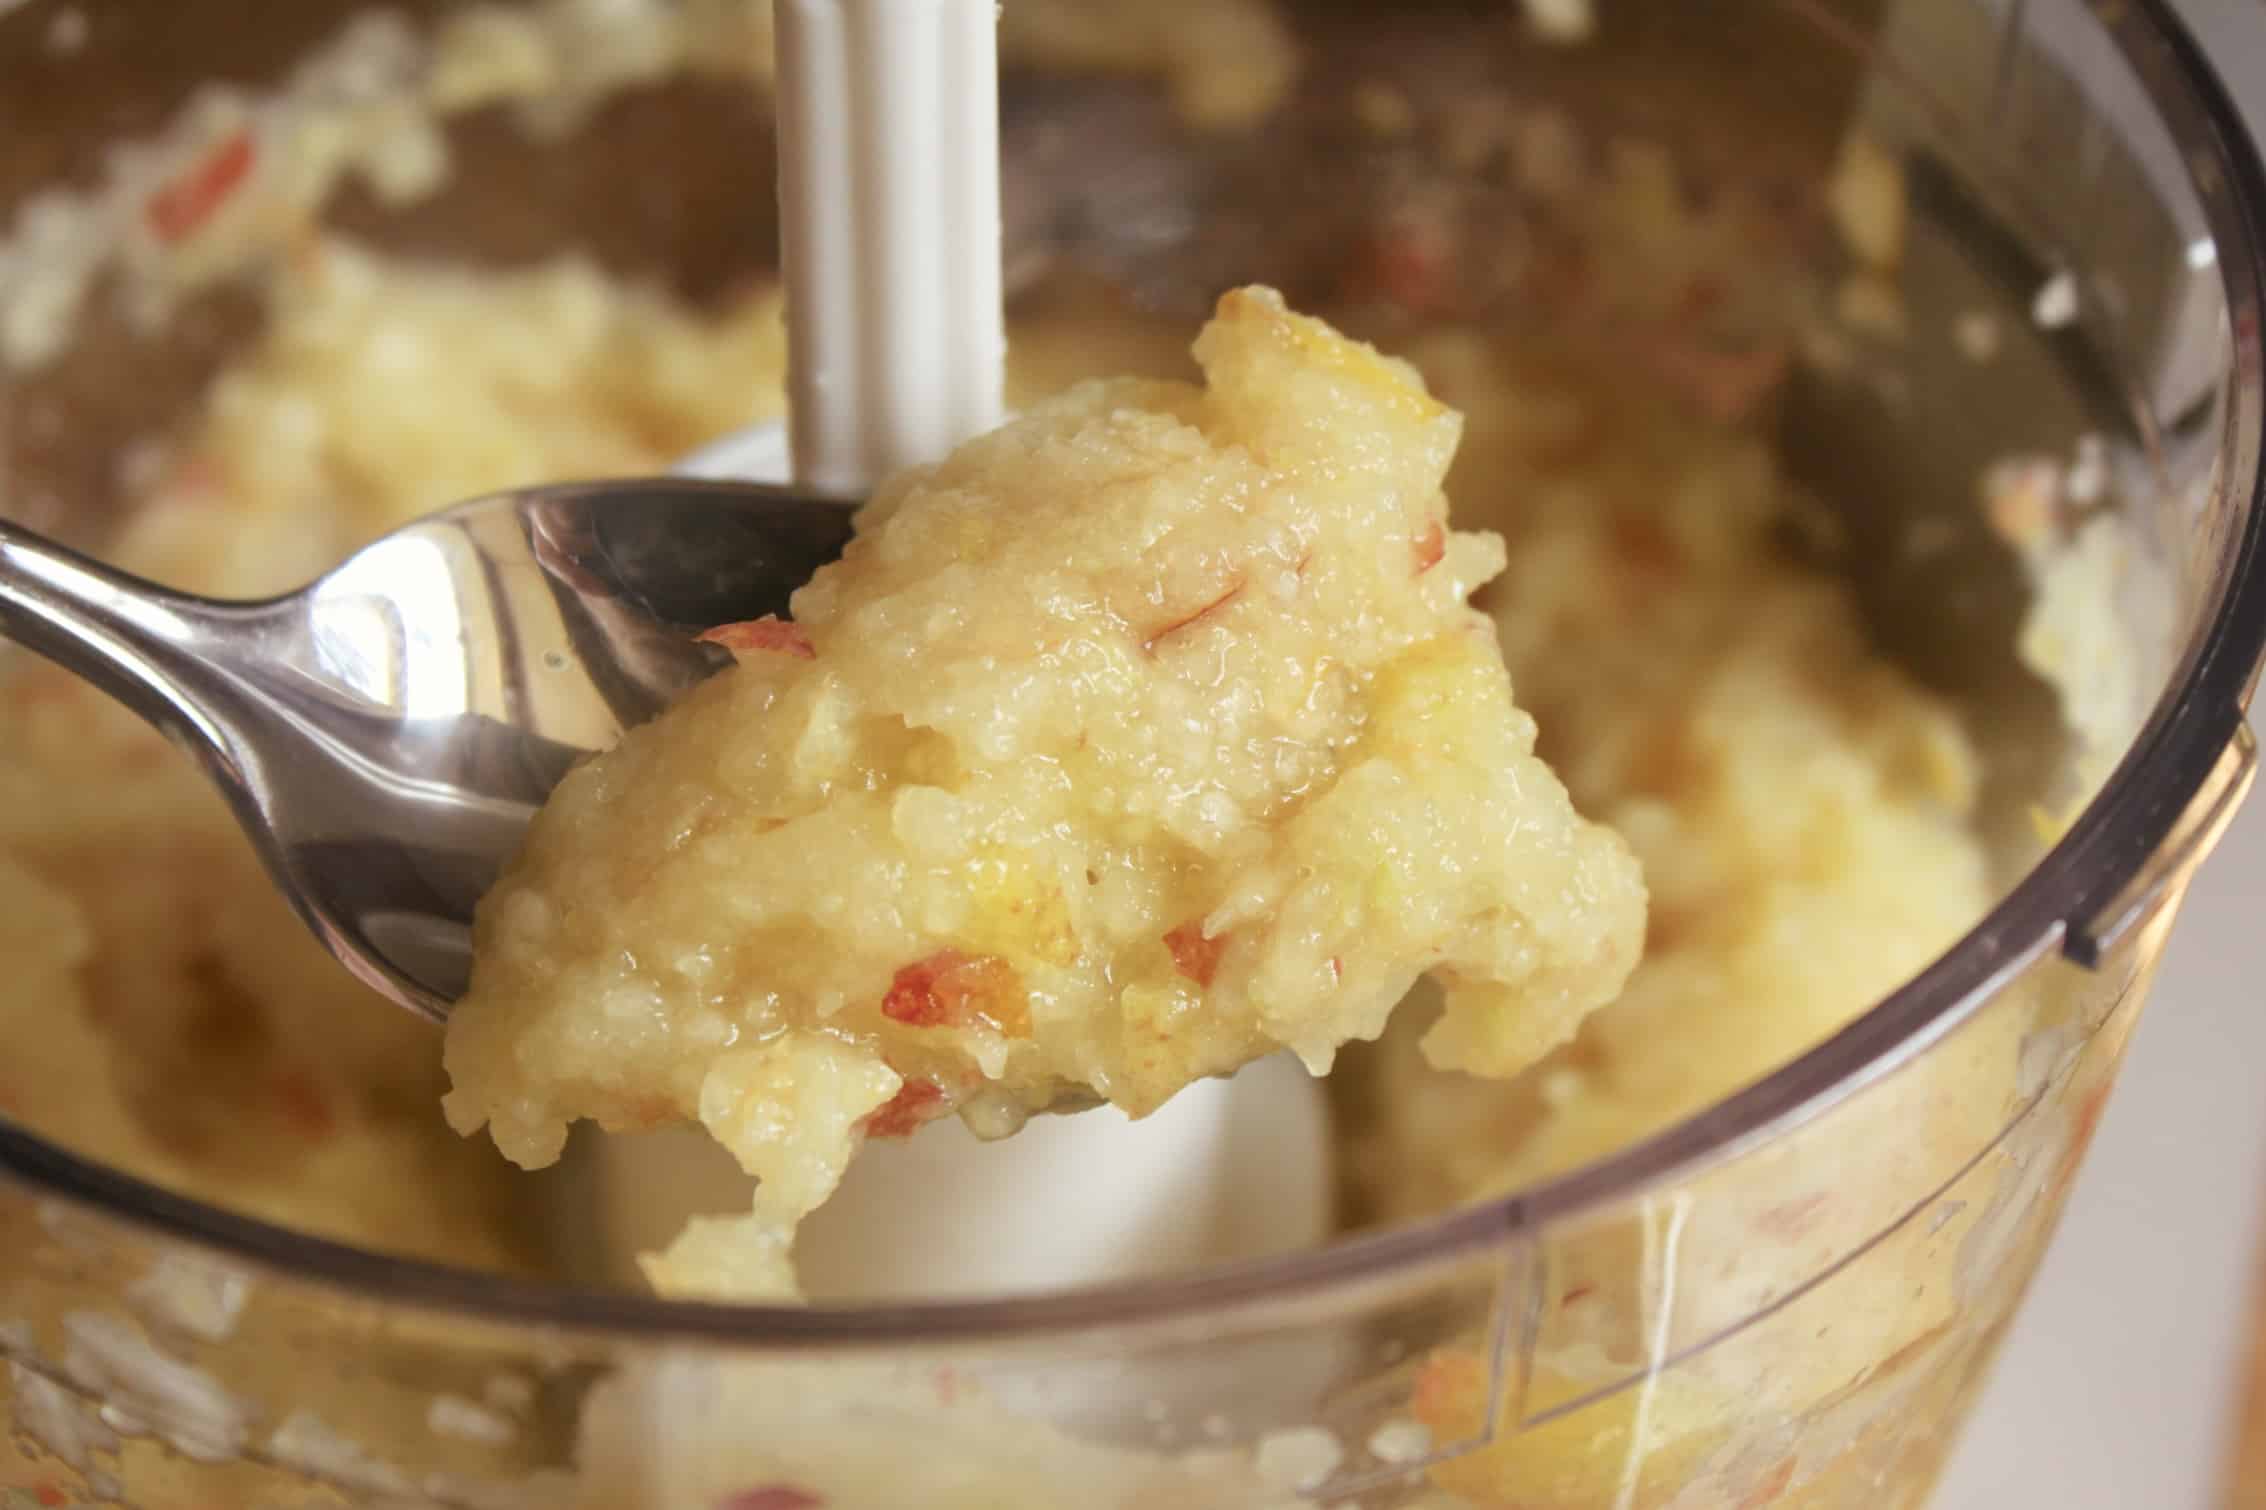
(142, 644)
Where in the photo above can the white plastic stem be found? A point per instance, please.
(888, 116)
(889, 191)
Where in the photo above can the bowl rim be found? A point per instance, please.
(2137, 812)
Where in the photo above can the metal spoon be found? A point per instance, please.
(386, 732)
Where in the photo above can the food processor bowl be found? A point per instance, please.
(1788, 1298)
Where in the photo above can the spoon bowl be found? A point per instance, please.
(386, 733)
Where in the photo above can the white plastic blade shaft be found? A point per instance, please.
(889, 197)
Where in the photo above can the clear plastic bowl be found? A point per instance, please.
(1786, 1300)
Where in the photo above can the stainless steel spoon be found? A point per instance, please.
(385, 733)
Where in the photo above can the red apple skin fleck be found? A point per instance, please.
(769, 633)
(1172, 627)
(1643, 546)
(1701, 299)
(177, 210)
(1725, 387)
(952, 990)
(1791, 1221)
(644, 1113)
(1409, 262)
(306, 1107)
(1773, 1486)
(902, 1115)
(1431, 547)
(1194, 955)
(1447, 1385)
(772, 1497)
(2086, 1121)
(914, 999)
(197, 480)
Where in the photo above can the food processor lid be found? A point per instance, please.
(2157, 812)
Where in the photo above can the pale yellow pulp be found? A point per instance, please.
(1800, 809)
(1132, 742)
